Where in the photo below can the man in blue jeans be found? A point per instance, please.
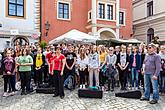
(151, 70)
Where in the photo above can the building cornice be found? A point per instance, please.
(159, 16)
(100, 25)
(21, 32)
(108, 1)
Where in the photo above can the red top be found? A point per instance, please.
(58, 62)
(49, 56)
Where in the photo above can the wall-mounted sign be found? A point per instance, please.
(14, 32)
(34, 36)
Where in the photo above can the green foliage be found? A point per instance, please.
(43, 44)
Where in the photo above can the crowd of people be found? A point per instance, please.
(129, 67)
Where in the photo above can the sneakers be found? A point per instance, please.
(153, 102)
(5, 94)
(81, 86)
(144, 99)
(12, 94)
(84, 87)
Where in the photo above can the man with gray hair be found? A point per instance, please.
(151, 71)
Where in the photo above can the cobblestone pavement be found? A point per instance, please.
(71, 101)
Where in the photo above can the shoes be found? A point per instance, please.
(112, 90)
(5, 94)
(84, 87)
(153, 102)
(55, 95)
(122, 88)
(11, 93)
(81, 86)
(23, 93)
(144, 99)
(108, 89)
(125, 88)
(28, 92)
(61, 97)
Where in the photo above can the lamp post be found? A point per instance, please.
(47, 26)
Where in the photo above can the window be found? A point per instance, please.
(150, 8)
(101, 10)
(89, 15)
(63, 10)
(150, 35)
(16, 8)
(121, 18)
(110, 12)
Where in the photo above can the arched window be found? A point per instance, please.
(150, 35)
(20, 40)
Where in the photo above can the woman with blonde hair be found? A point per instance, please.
(93, 67)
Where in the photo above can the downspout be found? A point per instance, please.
(40, 20)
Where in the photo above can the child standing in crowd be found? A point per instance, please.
(110, 62)
(122, 62)
(141, 77)
(162, 72)
(59, 62)
(46, 68)
(25, 62)
(102, 55)
(70, 63)
(129, 77)
(39, 62)
(135, 66)
(93, 67)
(8, 69)
(82, 62)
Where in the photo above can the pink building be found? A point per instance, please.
(102, 18)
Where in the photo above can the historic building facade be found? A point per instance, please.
(149, 19)
(19, 22)
(102, 18)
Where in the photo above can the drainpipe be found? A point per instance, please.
(40, 21)
(117, 18)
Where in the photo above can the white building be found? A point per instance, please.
(149, 19)
(19, 21)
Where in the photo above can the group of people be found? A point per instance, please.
(127, 67)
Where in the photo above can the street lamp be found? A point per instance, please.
(47, 26)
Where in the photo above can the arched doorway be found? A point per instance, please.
(150, 35)
(106, 33)
(20, 40)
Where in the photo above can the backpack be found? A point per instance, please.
(111, 71)
(68, 83)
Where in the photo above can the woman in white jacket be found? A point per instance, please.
(94, 67)
(82, 65)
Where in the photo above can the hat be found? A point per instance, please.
(151, 45)
(162, 47)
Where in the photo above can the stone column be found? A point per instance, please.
(94, 16)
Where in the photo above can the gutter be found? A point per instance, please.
(40, 21)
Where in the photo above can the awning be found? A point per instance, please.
(74, 36)
(134, 41)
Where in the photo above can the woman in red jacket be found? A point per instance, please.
(58, 69)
